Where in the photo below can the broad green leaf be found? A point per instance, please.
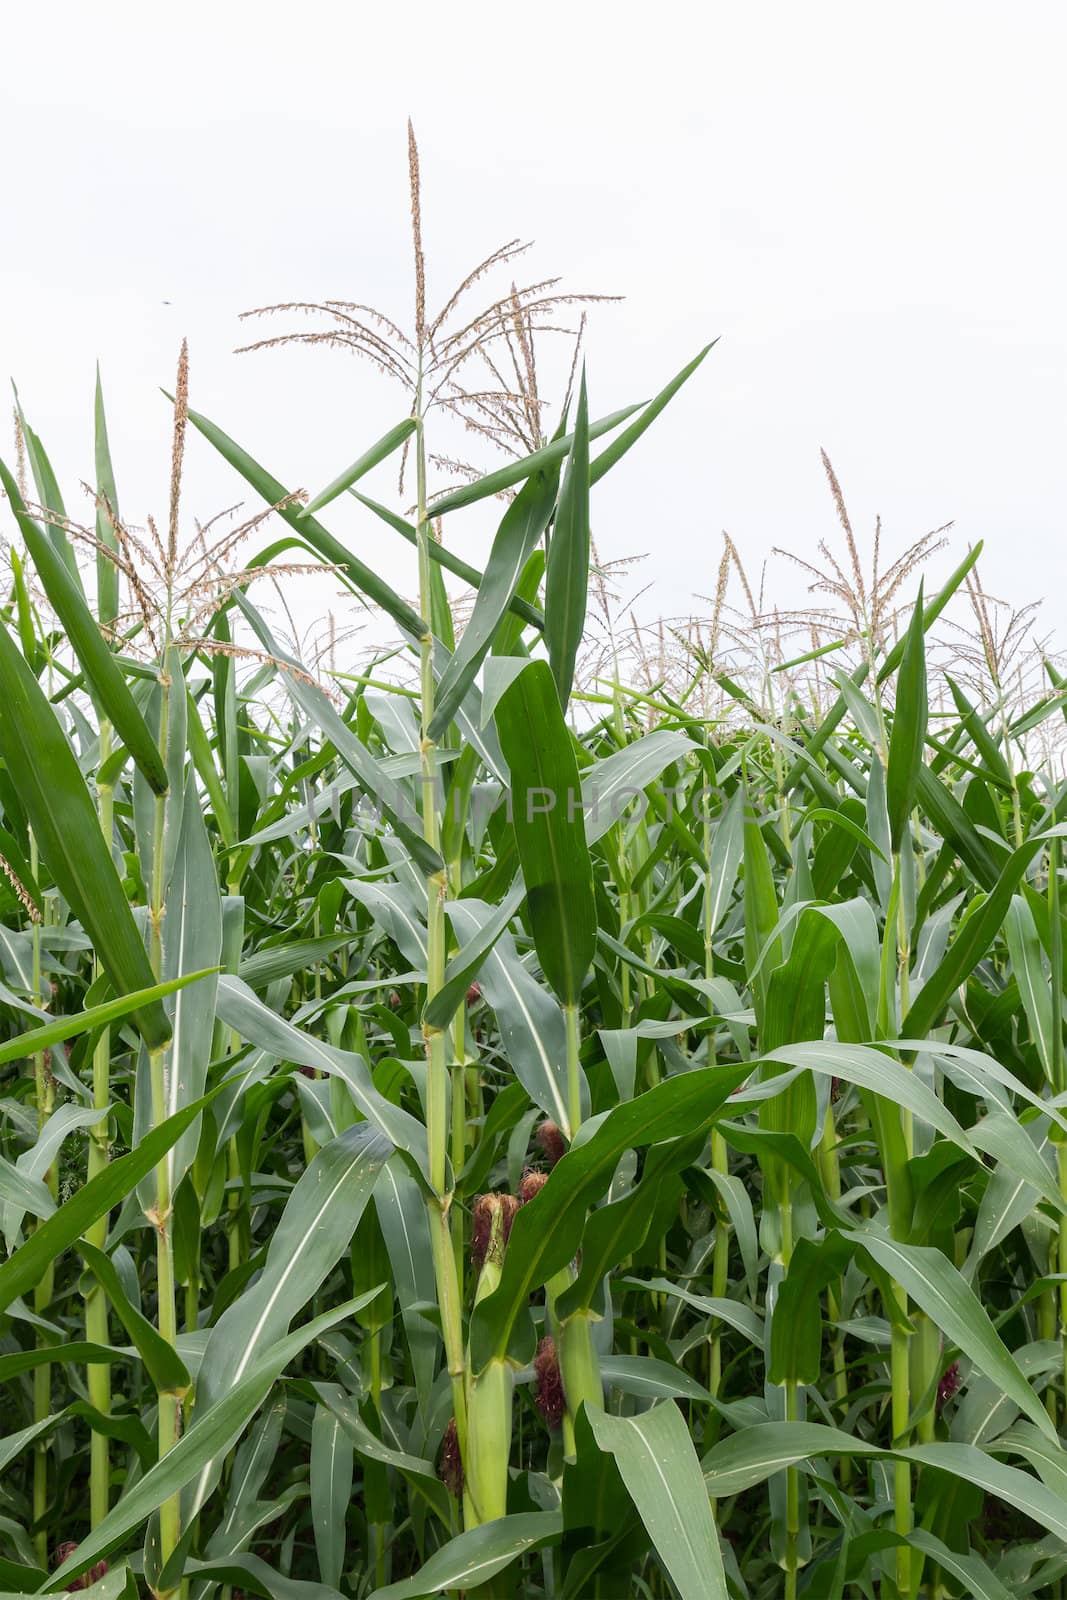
(659, 1467)
(316, 1226)
(796, 1327)
(1028, 970)
(609, 785)
(76, 1215)
(401, 1211)
(629, 436)
(531, 1023)
(441, 555)
(241, 1010)
(949, 1301)
(567, 565)
(418, 1473)
(466, 964)
(824, 732)
(107, 512)
(162, 1363)
(616, 1231)
(370, 458)
(523, 524)
(549, 455)
(752, 1455)
(315, 703)
(252, 1575)
(477, 1556)
(332, 1461)
(546, 815)
(547, 1232)
(45, 772)
(976, 934)
(355, 571)
(51, 1033)
(979, 1580)
(216, 1428)
(20, 1190)
(101, 669)
(192, 937)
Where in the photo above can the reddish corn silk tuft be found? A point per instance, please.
(552, 1142)
(63, 1552)
(531, 1186)
(487, 1210)
(481, 1227)
(306, 1072)
(394, 999)
(950, 1382)
(509, 1207)
(474, 994)
(450, 1462)
(548, 1392)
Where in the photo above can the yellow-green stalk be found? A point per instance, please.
(490, 1397)
(96, 1317)
(436, 1039)
(161, 1214)
(44, 1087)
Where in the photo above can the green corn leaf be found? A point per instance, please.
(102, 672)
(51, 1033)
(567, 565)
(935, 1286)
(475, 1557)
(550, 455)
(659, 1467)
(466, 964)
(332, 1467)
(834, 717)
(218, 1426)
(546, 799)
(441, 555)
(357, 573)
(45, 772)
(629, 436)
(239, 1009)
(752, 1455)
(909, 727)
(796, 1327)
(547, 1232)
(31, 1260)
(522, 526)
(162, 1362)
(107, 513)
(972, 941)
(531, 1023)
(378, 452)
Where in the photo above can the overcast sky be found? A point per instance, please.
(866, 202)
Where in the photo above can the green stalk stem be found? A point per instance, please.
(830, 1173)
(1058, 1076)
(161, 1217)
(1061, 1162)
(720, 1158)
(444, 1255)
(44, 1089)
(792, 1480)
(98, 1374)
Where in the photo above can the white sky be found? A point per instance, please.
(864, 201)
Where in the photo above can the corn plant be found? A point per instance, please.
(484, 1131)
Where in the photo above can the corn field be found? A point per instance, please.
(519, 1117)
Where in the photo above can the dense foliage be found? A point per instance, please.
(468, 1136)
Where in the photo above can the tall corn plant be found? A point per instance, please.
(492, 1145)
